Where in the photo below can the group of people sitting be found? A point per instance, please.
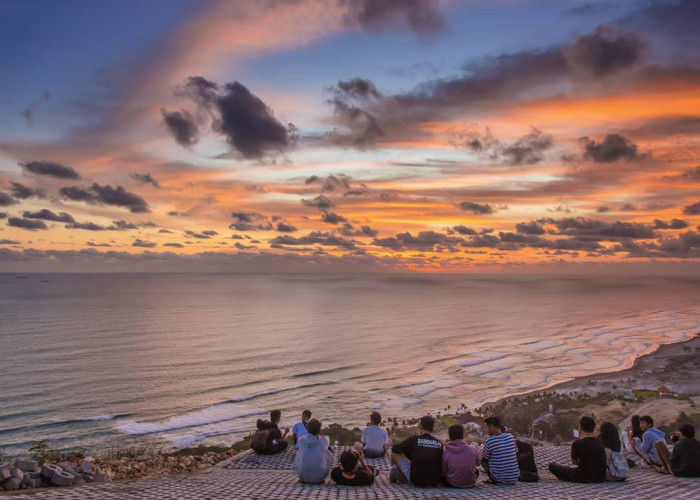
(424, 460)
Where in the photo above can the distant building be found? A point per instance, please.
(625, 394)
(665, 392)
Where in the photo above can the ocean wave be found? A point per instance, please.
(248, 397)
(209, 415)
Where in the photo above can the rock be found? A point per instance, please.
(86, 467)
(26, 465)
(48, 470)
(78, 480)
(34, 475)
(88, 478)
(34, 483)
(62, 478)
(5, 472)
(100, 478)
(17, 473)
(12, 484)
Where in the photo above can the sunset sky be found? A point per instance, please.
(349, 135)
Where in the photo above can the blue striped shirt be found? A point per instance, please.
(501, 452)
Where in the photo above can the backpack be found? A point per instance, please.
(618, 467)
(260, 439)
(526, 463)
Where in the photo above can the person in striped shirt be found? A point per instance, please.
(499, 454)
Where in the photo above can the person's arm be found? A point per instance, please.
(647, 443)
(363, 464)
(485, 452)
(286, 431)
(363, 439)
(403, 447)
(574, 453)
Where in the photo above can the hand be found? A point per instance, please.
(286, 430)
(676, 434)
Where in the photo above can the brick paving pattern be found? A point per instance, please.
(264, 478)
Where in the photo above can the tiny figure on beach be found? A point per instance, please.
(587, 454)
(499, 454)
(684, 460)
(375, 439)
(268, 439)
(299, 428)
(313, 458)
(646, 446)
(418, 459)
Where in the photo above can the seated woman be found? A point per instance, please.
(618, 470)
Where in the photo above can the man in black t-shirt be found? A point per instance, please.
(418, 460)
(352, 471)
(588, 454)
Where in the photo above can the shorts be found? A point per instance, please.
(401, 472)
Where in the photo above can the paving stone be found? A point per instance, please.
(26, 465)
(265, 478)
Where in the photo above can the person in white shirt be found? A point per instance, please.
(299, 428)
(375, 440)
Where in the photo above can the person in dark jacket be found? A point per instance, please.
(268, 439)
(684, 461)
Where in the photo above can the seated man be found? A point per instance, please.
(268, 439)
(499, 454)
(353, 471)
(418, 459)
(313, 459)
(299, 428)
(646, 447)
(459, 460)
(685, 459)
(588, 454)
(375, 440)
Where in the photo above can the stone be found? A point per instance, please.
(86, 468)
(88, 478)
(33, 483)
(34, 475)
(48, 470)
(62, 478)
(12, 484)
(100, 478)
(26, 465)
(78, 480)
(5, 472)
(17, 473)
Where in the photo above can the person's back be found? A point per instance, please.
(374, 439)
(459, 460)
(424, 453)
(299, 428)
(685, 459)
(589, 453)
(313, 459)
(501, 452)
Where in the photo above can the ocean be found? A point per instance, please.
(95, 360)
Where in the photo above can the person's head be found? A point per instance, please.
(609, 436)
(493, 425)
(635, 421)
(427, 423)
(348, 460)
(305, 415)
(645, 422)
(375, 418)
(687, 431)
(314, 427)
(275, 416)
(586, 424)
(456, 432)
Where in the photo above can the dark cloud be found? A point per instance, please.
(249, 221)
(423, 17)
(93, 244)
(321, 202)
(87, 226)
(174, 245)
(466, 231)
(528, 149)
(693, 209)
(183, 126)
(358, 128)
(674, 224)
(332, 218)
(6, 200)
(248, 124)
(122, 225)
(29, 224)
(165, 231)
(313, 238)
(425, 241)
(532, 227)
(23, 192)
(107, 195)
(46, 214)
(29, 112)
(477, 208)
(145, 179)
(200, 236)
(144, 244)
(331, 182)
(350, 231)
(692, 175)
(603, 209)
(591, 228)
(3, 215)
(284, 227)
(50, 169)
(668, 126)
(175, 213)
(9, 242)
(614, 147)
(605, 51)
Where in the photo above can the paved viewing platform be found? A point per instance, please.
(272, 477)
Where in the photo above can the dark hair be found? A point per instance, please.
(647, 419)
(275, 415)
(348, 459)
(375, 418)
(687, 430)
(587, 424)
(427, 423)
(493, 421)
(306, 413)
(610, 437)
(636, 429)
(314, 426)
(456, 432)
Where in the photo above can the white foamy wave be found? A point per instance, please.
(184, 440)
(206, 416)
(98, 419)
(249, 397)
